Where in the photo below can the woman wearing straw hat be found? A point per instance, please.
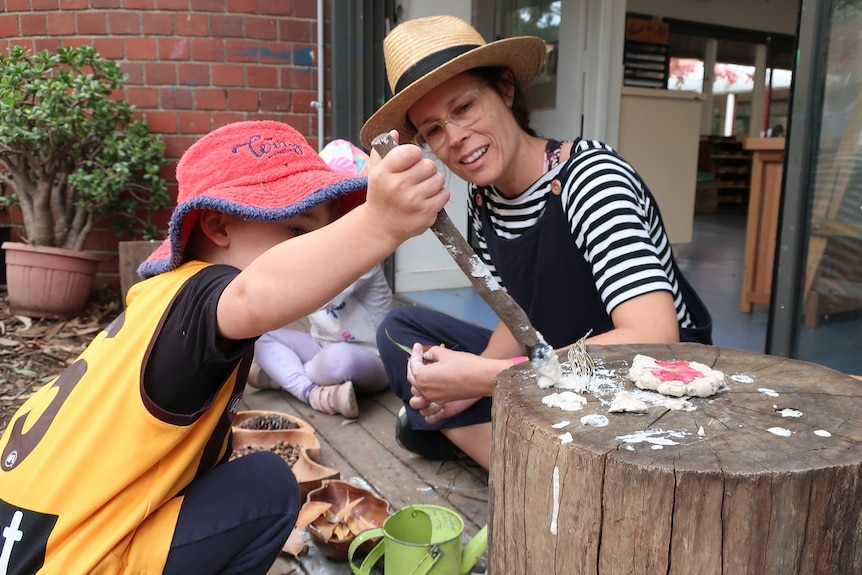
(569, 228)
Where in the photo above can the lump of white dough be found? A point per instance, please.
(676, 378)
(626, 402)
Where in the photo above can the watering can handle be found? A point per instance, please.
(370, 559)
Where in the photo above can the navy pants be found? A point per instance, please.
(236, 518)
(412, 324)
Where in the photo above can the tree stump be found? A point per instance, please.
(762, 478)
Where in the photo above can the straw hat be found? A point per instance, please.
(420, 54)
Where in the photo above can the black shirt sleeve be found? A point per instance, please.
(189, 361)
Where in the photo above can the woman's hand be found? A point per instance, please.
(441, 375)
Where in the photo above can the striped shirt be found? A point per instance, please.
(613, 219)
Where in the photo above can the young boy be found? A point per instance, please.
(120, 465)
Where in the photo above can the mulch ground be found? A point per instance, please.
(33, 351)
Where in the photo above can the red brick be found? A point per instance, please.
(207, 50)
(174, 48)
(262, 76)
(176, 98)
(246, 100)
(44, 5)
(124, 23)
(302, 101)
(193, 74)
(294, 78)
(176, 145)
(33, 25)
(9, 26)
(157, 23)
(160, 73)
(192, 25)
(242, 6)
(242, 51)
(172, 4)
(104, 3)
(143, 97)
(278, 7)
(228, 75)
(224, 118)
(139, 4)
(161, 122)
(305, 9)
(91, 22)
(226, 26)
(135, 71)
(208, 6)
(275, 101)
(108, 47)
(141, 48)
(261, 28)
(194, 122)
(297, 31)
(17, 5)
(210, 99)
(304, 56)
(74, 4)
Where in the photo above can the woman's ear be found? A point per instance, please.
(507, 87)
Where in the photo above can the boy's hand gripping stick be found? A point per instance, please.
(543, 359)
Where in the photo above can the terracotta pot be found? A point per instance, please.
(372, 511)
(309, 474)
(48, 282)
(244, 416)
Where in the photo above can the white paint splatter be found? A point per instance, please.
(556, 509)
(787, 412)
(561, 424)
(566, 438)
(565, 400)
(767, 391)
(478, 269)
(822, 433)
(741, 378)
(656, 447)
(780, 431)
(594, 420)
(653, 436)
(700, 431)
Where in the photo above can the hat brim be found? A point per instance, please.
(523, 55)
(265, 204)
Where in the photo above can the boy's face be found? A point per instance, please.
(252, 238)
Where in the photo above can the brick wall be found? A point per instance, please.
(193, 66)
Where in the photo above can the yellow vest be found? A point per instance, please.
(90, 471)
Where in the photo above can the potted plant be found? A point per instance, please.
(71, 153)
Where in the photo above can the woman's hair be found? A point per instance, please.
(496, 77)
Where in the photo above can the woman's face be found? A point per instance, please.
(479, 152)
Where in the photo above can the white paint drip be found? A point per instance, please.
(653, 436)
(562, 424)
(822, 433)
(787, 412)
(556, 510)
(767, 391)
(780, 431)
(594, 420)
(566, 438)
(741, 378)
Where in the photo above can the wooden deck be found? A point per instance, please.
(366, 453)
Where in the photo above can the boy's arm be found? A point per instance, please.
(296, 277)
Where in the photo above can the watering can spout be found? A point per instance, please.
(473, 550)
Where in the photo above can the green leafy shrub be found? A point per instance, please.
(71, 152)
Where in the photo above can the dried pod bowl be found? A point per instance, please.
(370, 511)
(264, 420)
(299, 448)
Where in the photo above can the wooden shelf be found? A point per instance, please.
(731, 163)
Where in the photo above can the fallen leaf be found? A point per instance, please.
(295, 544)
(310, 511)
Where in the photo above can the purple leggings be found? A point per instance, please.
(297, 362)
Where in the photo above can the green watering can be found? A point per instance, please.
(420, 540)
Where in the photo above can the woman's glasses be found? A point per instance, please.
(464, 113)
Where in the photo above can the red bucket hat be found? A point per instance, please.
(258, 170)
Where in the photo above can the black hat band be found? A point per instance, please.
(430, 63)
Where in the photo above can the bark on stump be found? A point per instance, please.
(736, 499)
